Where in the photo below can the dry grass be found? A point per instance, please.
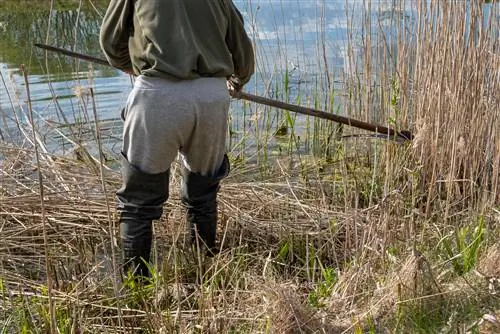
(455, 95)
(254, 285)
(382, 237)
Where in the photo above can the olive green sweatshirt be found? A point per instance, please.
(177, 39)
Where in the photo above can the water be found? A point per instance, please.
(301, 51)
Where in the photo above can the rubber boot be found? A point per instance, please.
(139, 201)
(136, 238)
(199, 196)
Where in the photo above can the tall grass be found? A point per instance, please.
(334, 233)
(455, 82)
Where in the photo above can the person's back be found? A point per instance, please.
(182, 39)
(182, 52)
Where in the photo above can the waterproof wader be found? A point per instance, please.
(139, 201)
(199, 196)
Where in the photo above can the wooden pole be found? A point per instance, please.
(391, 133)
(406, 135)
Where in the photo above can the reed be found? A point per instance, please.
(323, 229)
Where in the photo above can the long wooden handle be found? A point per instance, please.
(72, 54)
(391, 133)
(407, 135)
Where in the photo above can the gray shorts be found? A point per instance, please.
(163, 118)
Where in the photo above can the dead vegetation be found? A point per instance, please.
(380, 238)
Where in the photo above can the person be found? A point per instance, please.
(185, 55)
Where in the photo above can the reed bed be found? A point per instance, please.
(332, 233)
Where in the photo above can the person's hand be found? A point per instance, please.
(234, 84)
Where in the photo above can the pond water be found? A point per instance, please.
(300, 47)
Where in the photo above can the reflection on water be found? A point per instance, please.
(301, 49)
(58, 85)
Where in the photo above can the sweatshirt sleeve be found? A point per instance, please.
(116, 29)
(239, 45)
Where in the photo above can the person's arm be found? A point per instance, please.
(116, 29)
(239, 45)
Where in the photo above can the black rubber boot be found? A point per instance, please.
(139, 201)
(199, 196)
(136, 237)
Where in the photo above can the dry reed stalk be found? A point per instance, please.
(111, 225)
(360, 217)
(455, 98)
(258, 217)
(78, 219)
(47, 256)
